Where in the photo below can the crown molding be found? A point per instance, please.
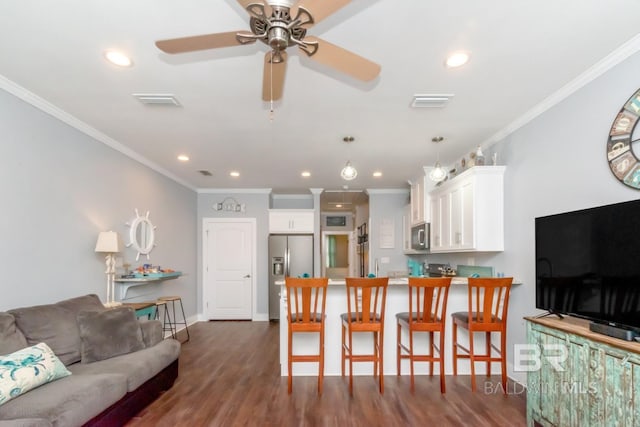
(623, 52)
(233, 190)
(387, 191)
(45, 106)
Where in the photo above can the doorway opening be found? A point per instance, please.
(341, 211)
(337, 256)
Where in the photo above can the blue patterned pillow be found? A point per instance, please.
(27, 369)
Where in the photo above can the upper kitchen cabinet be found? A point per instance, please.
(467, 212)
(420, 210)
(286, 221)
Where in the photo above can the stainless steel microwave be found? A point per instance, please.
(420, 237)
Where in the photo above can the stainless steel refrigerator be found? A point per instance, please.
(289, 255)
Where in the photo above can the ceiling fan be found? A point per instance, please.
(281, 24)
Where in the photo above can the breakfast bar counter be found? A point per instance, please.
(397, 301)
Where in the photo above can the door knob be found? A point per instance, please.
(248, 276)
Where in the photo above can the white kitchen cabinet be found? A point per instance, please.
(467, 212)
(291, 220)
(406, 229)
(420, 206)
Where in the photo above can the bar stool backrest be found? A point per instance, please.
(366, 299)
(428, 299)
(488, 301)
(304, 297)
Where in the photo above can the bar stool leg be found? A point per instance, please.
(185, 320)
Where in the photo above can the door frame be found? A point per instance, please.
(254, 254)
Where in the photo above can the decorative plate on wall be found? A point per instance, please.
(623, 162)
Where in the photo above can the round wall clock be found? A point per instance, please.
(624, 164)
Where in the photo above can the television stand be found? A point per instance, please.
(597, 385)
(613, 331)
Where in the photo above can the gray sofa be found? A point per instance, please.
(118, 365)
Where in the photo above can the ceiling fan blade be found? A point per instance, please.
(203, 42)
(273, 76)
(343, 60)
(320, 9)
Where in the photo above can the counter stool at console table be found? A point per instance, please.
(170, 322)
(427, 309)
(366, 299)
(487, 313)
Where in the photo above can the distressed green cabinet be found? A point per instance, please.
(579, 378)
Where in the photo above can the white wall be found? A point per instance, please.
(257, 206)
(59, 188)
(557, 163)
(386, 205)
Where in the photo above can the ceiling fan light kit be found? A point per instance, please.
(271, 22)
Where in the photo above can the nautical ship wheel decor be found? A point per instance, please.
(623, 162)
(142, 235)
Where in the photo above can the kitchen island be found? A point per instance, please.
(397, 301)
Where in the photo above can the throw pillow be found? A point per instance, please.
(109, 333)
(56, 325)
(27, 369)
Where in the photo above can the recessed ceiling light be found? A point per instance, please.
(377, 174)
(306, 174)
(338, 205)
(234, 174)
(118, 58)
(457, 59)
(183, 158)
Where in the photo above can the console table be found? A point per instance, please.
(584, 378)
(143, 309)
(126, 283)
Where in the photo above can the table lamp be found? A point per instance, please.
(109, 243)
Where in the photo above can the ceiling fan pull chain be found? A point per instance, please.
(271, 113)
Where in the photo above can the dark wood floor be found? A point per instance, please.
(229, 376)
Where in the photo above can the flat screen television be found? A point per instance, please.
(588, 264)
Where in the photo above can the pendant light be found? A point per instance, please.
(438, 173)
(348, 172)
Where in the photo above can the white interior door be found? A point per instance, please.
(229, 267)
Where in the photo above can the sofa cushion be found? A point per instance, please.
(138, 367)
(69, 401)
(109, 333)
(27, 369)
(11, 339)
(151, 332)
(55, 325)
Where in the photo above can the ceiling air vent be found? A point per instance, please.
(157, 99)
(432, 100)
(206, 173)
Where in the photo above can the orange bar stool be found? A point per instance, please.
(366, 298)
(306, 299)
(427, 312)
(170, 319)
(487, 313)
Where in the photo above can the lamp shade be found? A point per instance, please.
(108, 242)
